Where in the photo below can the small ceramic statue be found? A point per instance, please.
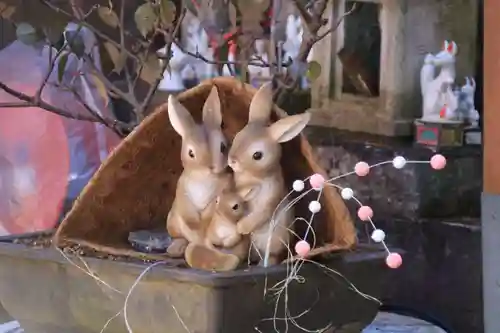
(172, 80)
(259, 74)
(198, 42)
(466, 106)
(294, 36)
(437, 91)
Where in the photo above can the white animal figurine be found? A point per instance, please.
(258, 73)
(467, 102)
(293, 37)
(172, 81)
(437, 92)
(198, 43)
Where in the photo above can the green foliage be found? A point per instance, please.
(313, 70)
(108, 16)
(145, 18)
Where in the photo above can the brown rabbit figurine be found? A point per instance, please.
(255, 159)
(203, 156)
(230, 208)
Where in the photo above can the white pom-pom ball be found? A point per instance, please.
(298, 185)
(399, 162)
(378, 235)
(347, 193)
(314, 207)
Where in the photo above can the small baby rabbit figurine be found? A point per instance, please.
(233, 247)
(255, 159)
(204, 159)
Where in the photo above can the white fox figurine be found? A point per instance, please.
(466, 102)
(437, 91)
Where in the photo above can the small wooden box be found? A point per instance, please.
(439, 134)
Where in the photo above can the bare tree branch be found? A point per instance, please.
(30, 101)
(155, 84)
(136, 52)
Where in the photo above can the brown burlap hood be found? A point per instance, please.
(134, 188)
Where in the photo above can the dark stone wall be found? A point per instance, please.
(431, 216)
(412, 193)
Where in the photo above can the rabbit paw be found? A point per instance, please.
(201, 257)
(243, 228)
(177, 248)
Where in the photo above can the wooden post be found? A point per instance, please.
(491, 113)
(490, 201)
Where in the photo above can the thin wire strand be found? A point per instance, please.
(280, 289)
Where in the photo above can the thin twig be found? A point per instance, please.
(29, 101)
(90, 27)
(128, 77)
(168, 48)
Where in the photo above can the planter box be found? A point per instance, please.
(47, 294)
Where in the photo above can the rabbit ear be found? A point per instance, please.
(261, 104)
(288, 128)
(248, 193)
(212, 115)
(445, 45)
(179, 116)
(452, 48)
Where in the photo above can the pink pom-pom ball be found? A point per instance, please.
(317, 181)
(302, 248)
(365, 213)
(361, 169)
(438, 162)
(394, 260)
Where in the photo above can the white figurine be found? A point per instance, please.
(294, 33)
(437, 92)
(466, 102)
(198, 42)
(172, 81)
(294, 36)
(258, 74)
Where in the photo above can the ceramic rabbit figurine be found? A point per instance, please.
(468, 91)
(255, 159)
(172, 79)
(203, 156)
(256, 72)
(437, 91)
(230, 208)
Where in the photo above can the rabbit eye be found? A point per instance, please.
(223, 148)
(191, 153)
(257, 155)
(235, 207)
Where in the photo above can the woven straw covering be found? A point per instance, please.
(135, 186)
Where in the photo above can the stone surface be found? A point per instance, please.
(411, 193)
(441, 271)
(393, 323)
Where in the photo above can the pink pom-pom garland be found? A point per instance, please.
(302, 248)
(394, 260)
(361, 169)
(365, 213)
(438, 162)
(317, 181)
